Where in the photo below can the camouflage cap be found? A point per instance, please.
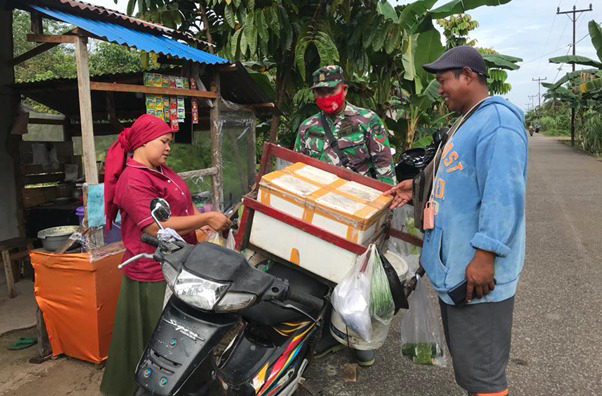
(328, 76)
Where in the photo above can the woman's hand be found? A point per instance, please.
(218, 221)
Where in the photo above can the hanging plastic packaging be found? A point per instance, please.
(421, 339)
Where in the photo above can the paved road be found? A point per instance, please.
(557, 337)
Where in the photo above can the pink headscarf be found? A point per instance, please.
(143, 130)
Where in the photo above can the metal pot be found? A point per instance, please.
(55, 237)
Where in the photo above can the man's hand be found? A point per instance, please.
(402, 194)
(479, 274)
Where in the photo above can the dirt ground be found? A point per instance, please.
(55, 377)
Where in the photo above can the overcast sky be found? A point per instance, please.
(529, 29)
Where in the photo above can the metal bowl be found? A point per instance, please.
(55, 237)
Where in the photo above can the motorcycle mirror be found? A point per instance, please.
(160, 210)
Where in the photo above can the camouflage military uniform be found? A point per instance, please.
(360, 133)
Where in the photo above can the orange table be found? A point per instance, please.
(77, 295)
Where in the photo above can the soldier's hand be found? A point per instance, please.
(402, 194)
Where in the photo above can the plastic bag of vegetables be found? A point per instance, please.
(421, 340)
(382, 306)
(351, 297)
(364, 295)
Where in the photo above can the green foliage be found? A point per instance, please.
(582, 90)
(381, 47)
(58, 62)
(456, 29)
(113, 58)
(591, 133)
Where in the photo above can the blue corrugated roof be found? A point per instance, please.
(133, 38)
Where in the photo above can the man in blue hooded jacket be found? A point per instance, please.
(478, 235)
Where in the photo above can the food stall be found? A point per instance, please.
(211, 101)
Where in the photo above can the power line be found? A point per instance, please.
(543, 56)
(574, 20)
(560, 67)
(549, 35)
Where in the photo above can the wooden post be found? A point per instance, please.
(8, 271)
(36, 23)
(85, 111)
(252, 153)
(216, 144)
(44, 348)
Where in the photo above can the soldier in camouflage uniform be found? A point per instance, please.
(360, 133)
(362, 137)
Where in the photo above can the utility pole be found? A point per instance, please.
(532, 97)
(538, 111)
(573, 19)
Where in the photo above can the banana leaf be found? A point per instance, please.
(577, 60)
(461, 6)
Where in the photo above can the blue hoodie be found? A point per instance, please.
(480, 194)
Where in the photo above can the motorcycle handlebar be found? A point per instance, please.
(308, 300)
(149, 240)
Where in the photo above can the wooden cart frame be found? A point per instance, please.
(251, 205)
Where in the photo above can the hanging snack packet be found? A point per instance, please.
(181, 109)
(195, 111)
(166, 114)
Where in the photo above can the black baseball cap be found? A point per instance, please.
(459, 58)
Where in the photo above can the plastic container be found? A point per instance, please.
(79, 212)
(114, 234)
(344, 335)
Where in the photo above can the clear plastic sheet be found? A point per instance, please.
(403, 220)
(238, 154)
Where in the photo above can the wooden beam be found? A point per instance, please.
(37, 50)
(227, 68)
(46, 121)
(268, 105)
(199, 173)
(31, 53)
(216, 144)
(52, 38)
(112, 87)
(85, 110)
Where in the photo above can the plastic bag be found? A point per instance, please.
(351, 297)
(382, 306)
(231, 242)
(421, 340)
(216, 237)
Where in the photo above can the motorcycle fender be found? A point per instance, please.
(182, 340)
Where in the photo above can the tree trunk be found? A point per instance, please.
(281, 75)
(206, 23)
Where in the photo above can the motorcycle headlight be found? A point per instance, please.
(234, 301)
(170, 274)
(199, 292)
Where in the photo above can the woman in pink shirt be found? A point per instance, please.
(131, 183)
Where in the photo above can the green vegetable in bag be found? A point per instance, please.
(382, 306)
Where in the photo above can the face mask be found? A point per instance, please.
(331, 104)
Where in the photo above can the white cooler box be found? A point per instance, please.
(347, 209)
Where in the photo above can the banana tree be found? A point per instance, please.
(381, 47)
(591, 84)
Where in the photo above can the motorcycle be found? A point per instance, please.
(414, 160)
(275, 316)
